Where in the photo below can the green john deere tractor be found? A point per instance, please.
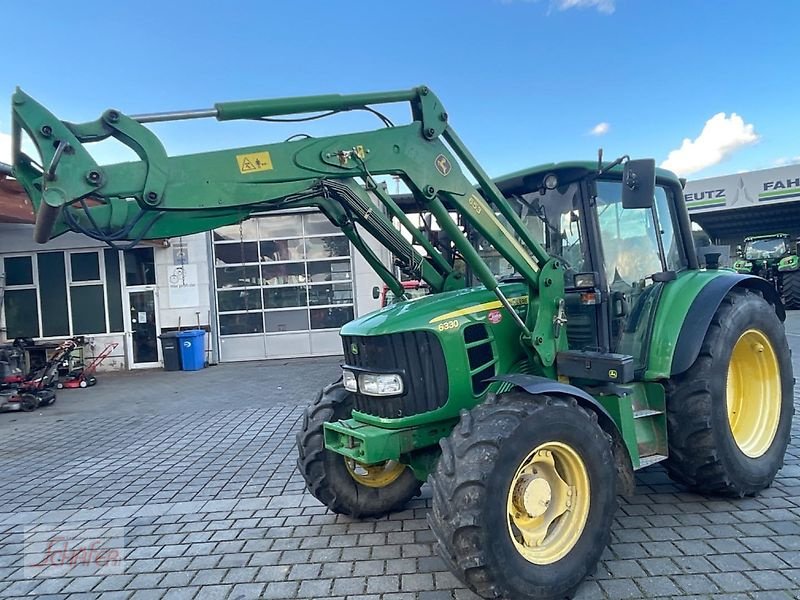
(526, 401)
(773, 258)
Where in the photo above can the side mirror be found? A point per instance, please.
(739, 251)
(376, 292)
(639, 183)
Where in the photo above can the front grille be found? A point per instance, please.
(418, 354)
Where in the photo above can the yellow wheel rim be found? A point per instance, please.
(548, 503)
(375, 476)
(753, 393)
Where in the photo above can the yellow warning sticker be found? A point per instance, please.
(254, 162)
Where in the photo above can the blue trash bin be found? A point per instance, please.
(193, 351)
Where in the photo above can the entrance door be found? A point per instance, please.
(143, 349)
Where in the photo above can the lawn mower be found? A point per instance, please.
(84, 377)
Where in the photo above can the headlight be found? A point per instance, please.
(349, 380)
(380, 384)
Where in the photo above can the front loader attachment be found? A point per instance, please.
(161, 196)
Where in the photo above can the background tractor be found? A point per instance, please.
(774, 258)
(528, 400)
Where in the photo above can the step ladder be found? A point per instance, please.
(650, 423)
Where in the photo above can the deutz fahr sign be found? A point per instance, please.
(743, 189)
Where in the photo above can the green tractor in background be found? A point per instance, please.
(773, 258)
(527, 401)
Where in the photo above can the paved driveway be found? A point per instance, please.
(191, 477)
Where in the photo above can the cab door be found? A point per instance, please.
(640, 254)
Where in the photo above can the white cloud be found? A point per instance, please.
(721, 136)
(783, 162)
(5, 147)
(601, 128)
(604, 6)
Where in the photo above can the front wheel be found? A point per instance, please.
(343, 485)
(523, 496)
(729, 415)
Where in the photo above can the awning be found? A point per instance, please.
(15, 207)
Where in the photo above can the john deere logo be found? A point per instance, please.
(354, 348)
(443, 165)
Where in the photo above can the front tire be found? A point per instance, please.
(523, 497)
(791, 289)
(344, 486)
(729, 415)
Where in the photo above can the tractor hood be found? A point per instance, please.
(441, 312)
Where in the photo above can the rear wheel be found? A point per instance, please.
(28, 402)
(729, 415)
(343, 485)
(791, 289)
(523, 497)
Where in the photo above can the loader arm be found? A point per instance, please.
(165, 196)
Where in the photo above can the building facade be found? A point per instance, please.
(277, 286)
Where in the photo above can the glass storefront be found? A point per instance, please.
(284, 286)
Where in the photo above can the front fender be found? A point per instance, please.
(534, 384)
(789, 263)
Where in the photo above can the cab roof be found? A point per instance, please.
(768, 236)
(531, 178)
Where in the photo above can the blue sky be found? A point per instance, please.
(525, 82)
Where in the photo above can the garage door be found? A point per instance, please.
(284, 287)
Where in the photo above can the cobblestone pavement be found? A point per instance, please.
(193, 473)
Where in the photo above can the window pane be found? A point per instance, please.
(85, 266)
(22, 313)
(231, 232)
(282, 250)
(140, 268)
(239, 300)
(282, 226)
(672, 249)
(234, 254)
(287, 320)
(285, 297)
(283, 274)
(329, 271)
(53, 278)
(629, 242)
(333, 293)
(325, 247)
(88, 309)
(237, 276)
(241, 323)
(318, 223)
(330, 318)
(19, 270)
(113, 290)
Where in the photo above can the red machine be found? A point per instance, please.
(84, 377)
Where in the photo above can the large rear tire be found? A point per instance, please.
(729, 415)
(344, 486)
(523, 496)
(791, 289)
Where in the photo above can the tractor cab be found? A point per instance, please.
(766, 247)
(617, 257)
